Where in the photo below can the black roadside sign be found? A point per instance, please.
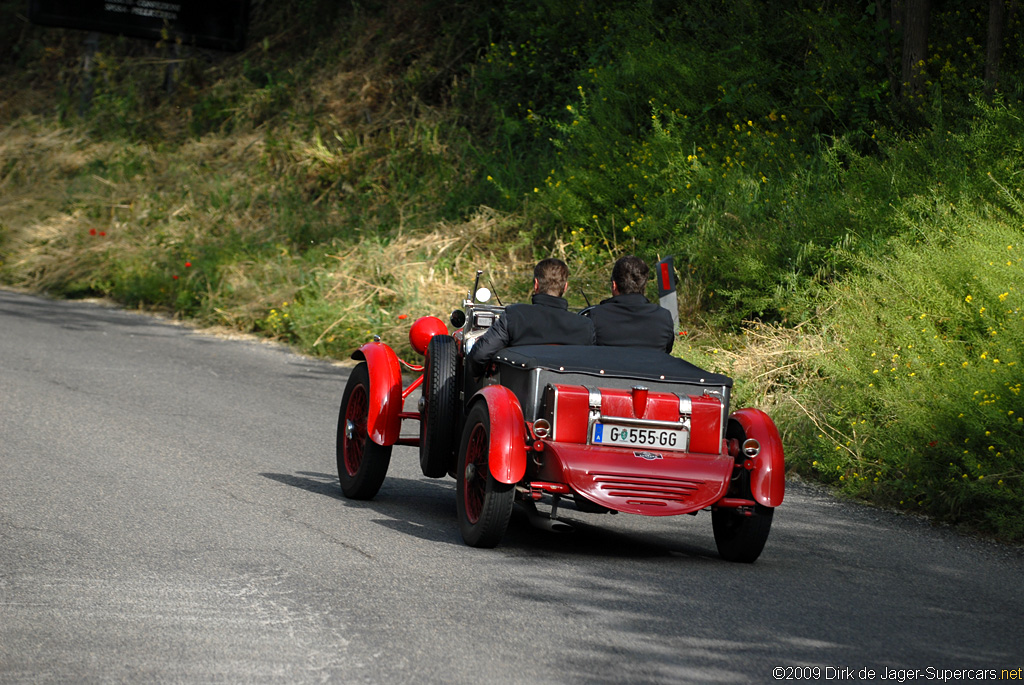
(219, 24)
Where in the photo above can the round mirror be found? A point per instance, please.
(483, 294)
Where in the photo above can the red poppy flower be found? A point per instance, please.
(188, 264)
(92, 231)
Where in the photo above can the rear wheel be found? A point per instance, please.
(484, 504)
(739, 537)
(439, 409)
(362, 463)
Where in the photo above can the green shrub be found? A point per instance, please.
(921, 404)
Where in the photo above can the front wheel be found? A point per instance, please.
(439, 416)
(484, 503)
(362, 463)
(739, 537)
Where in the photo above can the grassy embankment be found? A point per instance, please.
(852, 259)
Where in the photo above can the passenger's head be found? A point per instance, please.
(630, 275)
(551, 277)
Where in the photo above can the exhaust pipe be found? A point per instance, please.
(549, 522)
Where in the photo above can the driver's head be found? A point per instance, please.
(630, 275)
(551, 277)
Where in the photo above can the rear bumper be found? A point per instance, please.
(646, 482)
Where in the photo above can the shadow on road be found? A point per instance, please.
(426, 509)
(319, 483)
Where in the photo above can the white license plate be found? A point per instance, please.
(633, 436)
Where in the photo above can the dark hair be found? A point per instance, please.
(552, 275)
(630, 274)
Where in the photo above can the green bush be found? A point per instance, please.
(920, 401)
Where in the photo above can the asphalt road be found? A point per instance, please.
(170, 512)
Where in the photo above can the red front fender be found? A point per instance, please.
(383, 423)
(506, 454)
(768, 475)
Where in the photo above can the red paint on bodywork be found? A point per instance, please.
(705, 424)
(768, 475)
(569, 405)
(657, 406)
(425, 328)
(643, 481)
(383, 423)
(670, 484)
(506, 454)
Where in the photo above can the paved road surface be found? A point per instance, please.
(169, 512)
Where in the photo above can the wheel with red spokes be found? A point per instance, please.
(362, 463)
(484, 503)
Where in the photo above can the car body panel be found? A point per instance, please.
(768, 470)
(638, 481)
(506, 455)
(384, 421)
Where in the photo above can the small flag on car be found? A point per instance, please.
(667, 289)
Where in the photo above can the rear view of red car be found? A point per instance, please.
(597, 429)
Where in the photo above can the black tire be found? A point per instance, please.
(439, 413)
(362, 463)
(738, 537)
(483, 503)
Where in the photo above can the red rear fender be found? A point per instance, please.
(506, 455)
(383, 423)
(768, 475)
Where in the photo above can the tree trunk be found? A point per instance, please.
(915, 45)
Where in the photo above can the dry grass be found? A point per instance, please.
(387, 284)
(775, 358)
(768, 364)
(67, 228)
(36, 163)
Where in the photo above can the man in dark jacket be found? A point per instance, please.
(546, 321)
(627, 319)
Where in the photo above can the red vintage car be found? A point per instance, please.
(601, 429)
